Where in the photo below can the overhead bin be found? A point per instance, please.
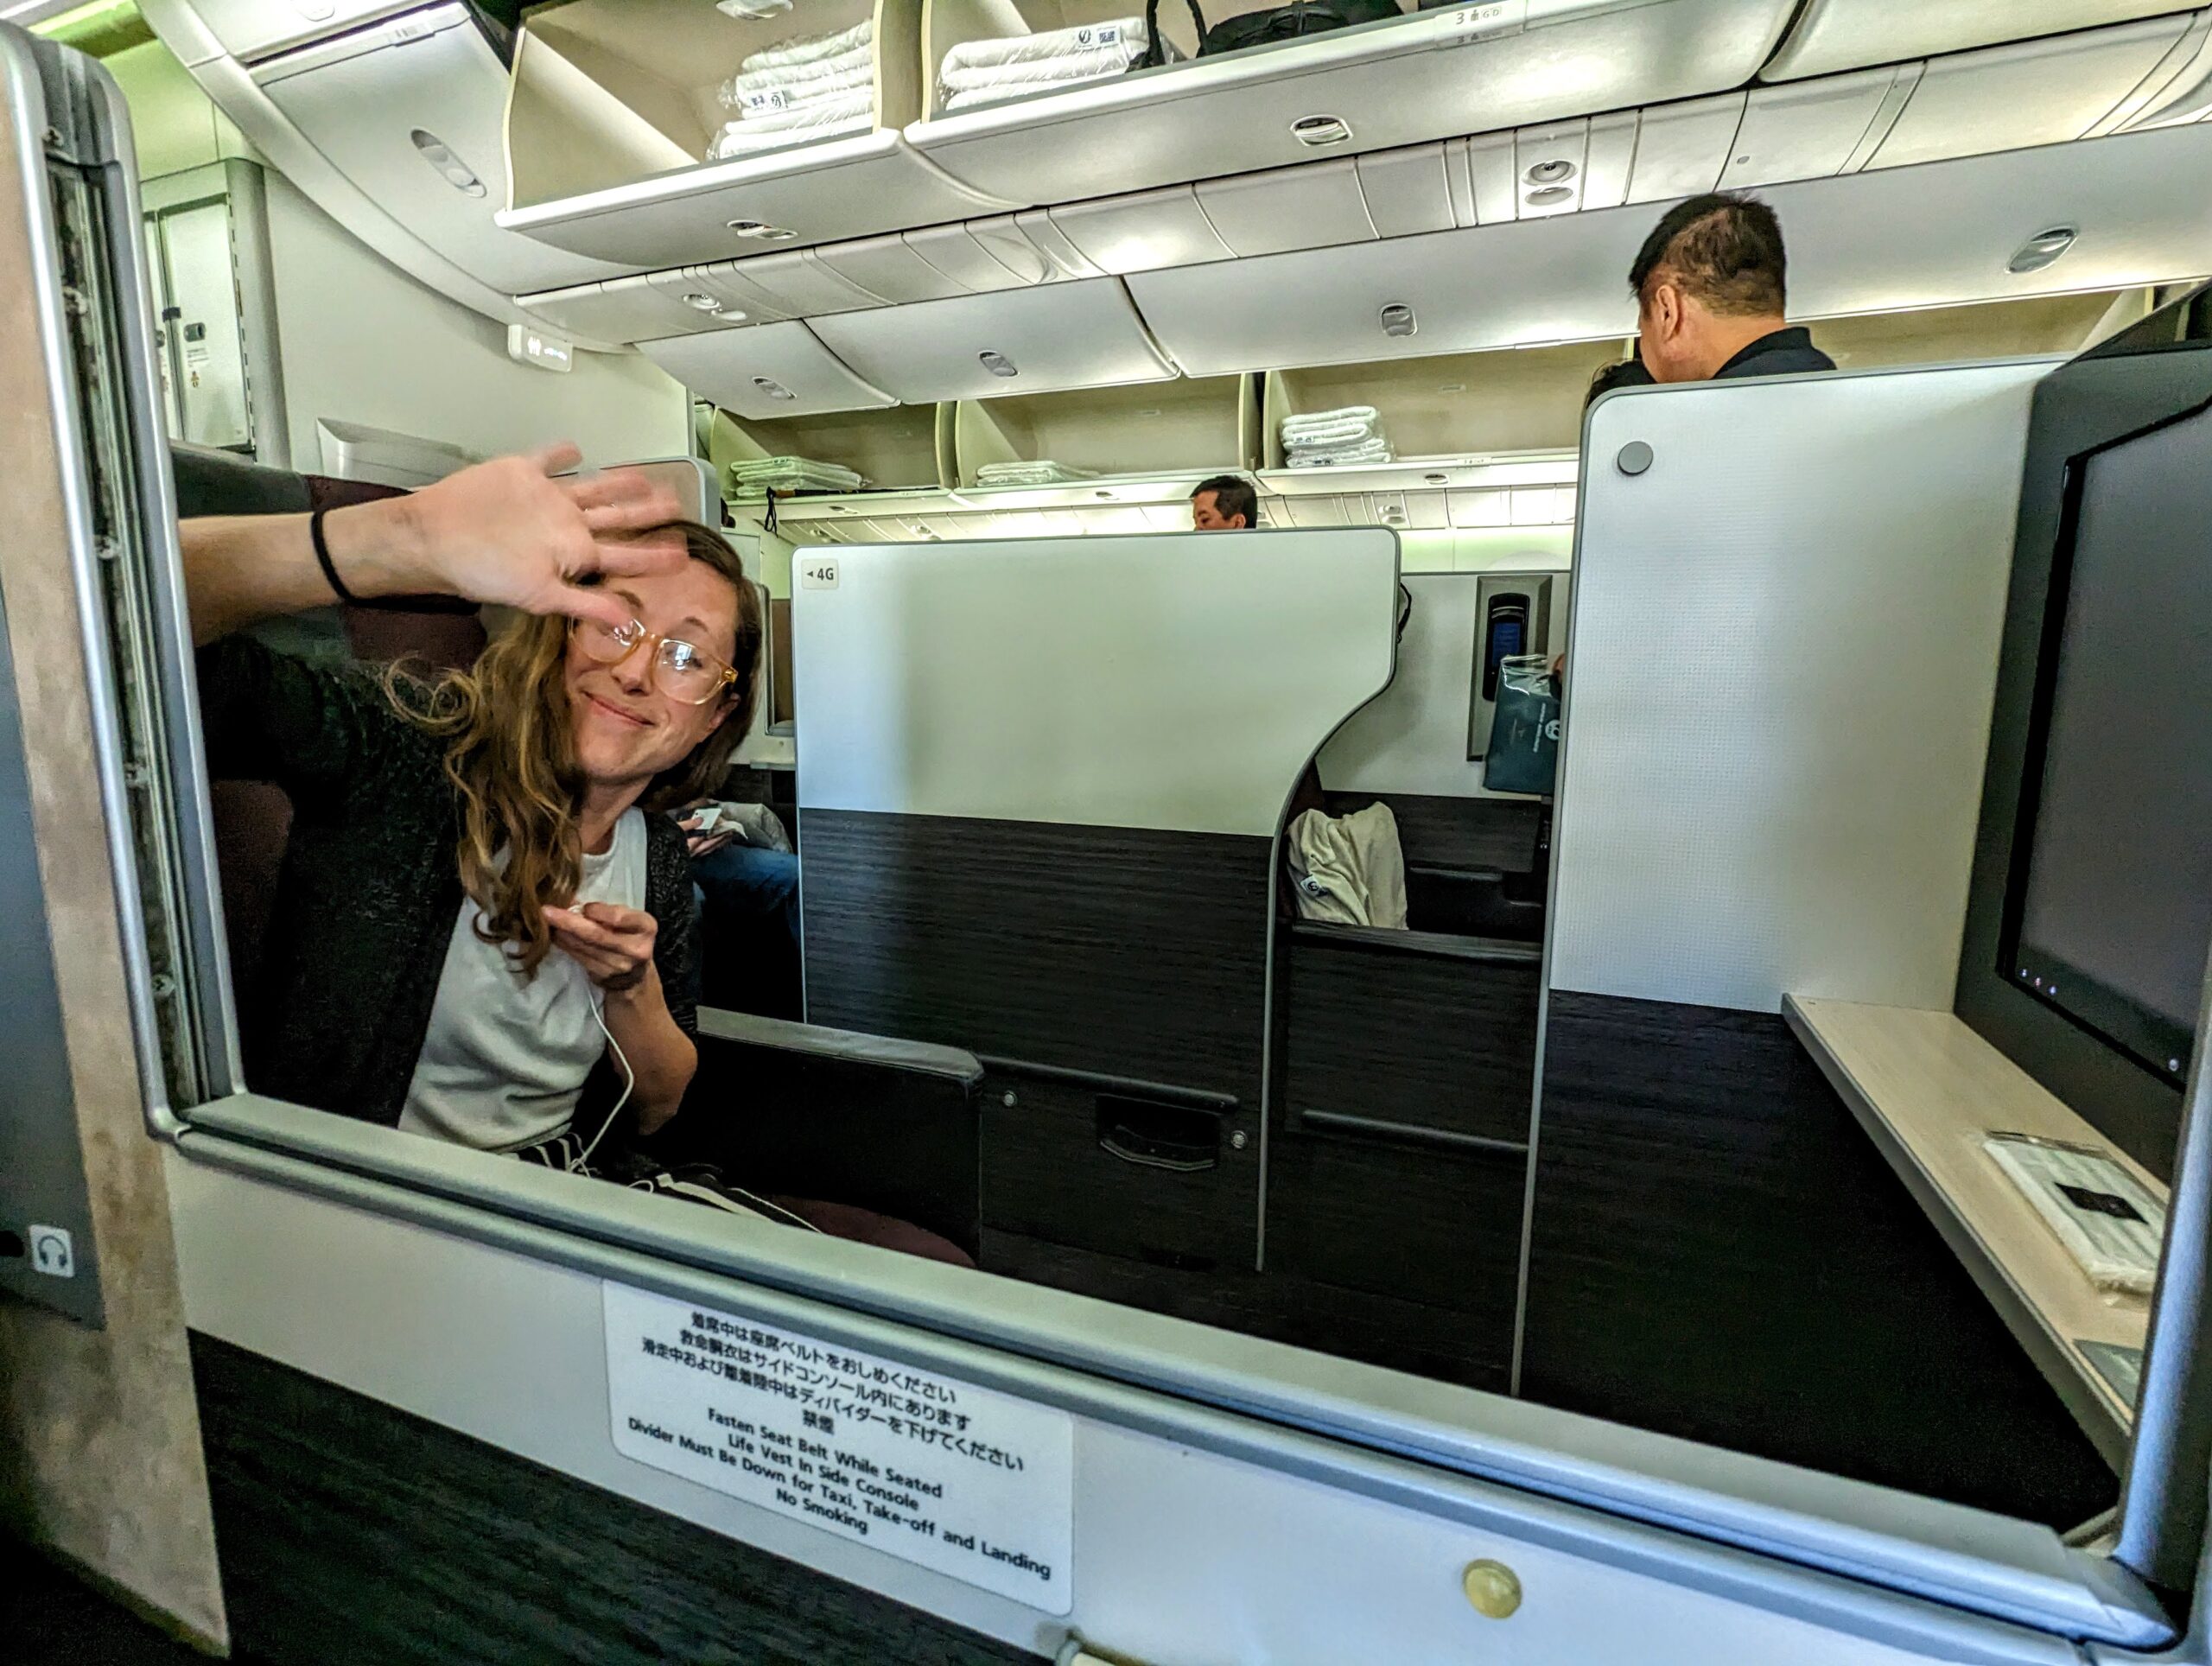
(410, 111)
(2039, 92)
(1452, 409)
(1515, 284)
(1195, 426)
(617, 104)
(1035, 341)
(893, 447)
(1401, 82)
(1947, 232)
(1838, 35)
(766, 372)
(1950, 229)
(248, 29)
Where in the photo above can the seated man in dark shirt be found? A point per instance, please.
(1710, 285)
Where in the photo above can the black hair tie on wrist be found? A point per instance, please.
(322, 556)
(422, 604)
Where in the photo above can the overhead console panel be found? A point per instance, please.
(1836, 35)
(1401, 82)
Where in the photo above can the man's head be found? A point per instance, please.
(1227, 503)
(1708, 281)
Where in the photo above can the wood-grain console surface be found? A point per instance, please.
(1930, 1089)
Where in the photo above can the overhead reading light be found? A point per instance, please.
(440, 155)
(1398, 320)
(702, 302)
(1320, 130)
(997, 363)
(1549, 196)
(773, 388)
(1556, 172)
(2039, 251)
(760, 232)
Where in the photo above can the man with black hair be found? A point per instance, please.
(1710, 293)
(1227, 503)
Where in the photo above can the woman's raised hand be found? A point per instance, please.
(507, 532)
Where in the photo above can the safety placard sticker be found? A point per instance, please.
(965, 1480)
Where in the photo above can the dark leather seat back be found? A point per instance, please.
(253, 819)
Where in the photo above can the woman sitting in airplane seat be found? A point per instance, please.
(483, 897)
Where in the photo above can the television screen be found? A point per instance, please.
(2112, 904)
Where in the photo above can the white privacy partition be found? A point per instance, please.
(1784, 645)
(1176, 681)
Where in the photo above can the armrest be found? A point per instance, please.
(851, 1047)
(802, 1111)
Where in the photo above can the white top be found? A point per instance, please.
(505, 1057)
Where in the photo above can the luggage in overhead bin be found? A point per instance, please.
(1272, 23)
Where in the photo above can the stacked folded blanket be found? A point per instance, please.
(986, 71)
(791, 474)
(810, 89)
(1041, 473)
(1329, 439)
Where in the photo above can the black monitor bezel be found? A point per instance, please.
(2153, 373)
(2154, 1043)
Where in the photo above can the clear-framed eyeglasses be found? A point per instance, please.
(681, 669)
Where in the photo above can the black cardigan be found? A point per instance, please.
(364, 906)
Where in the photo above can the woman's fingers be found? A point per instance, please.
(585, 603)
(605, 927)
(641, 556)
(557, 459)
(622, 501)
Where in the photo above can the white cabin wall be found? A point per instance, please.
(358, 339)
(362, 341)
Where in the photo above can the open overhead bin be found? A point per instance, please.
(892, 449)
(410, 111)
(1035, 341)
(1834, 35)
(1398, 81)
(665, 132)
(1201, 425)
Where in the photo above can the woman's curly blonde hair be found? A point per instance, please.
(510, 756)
